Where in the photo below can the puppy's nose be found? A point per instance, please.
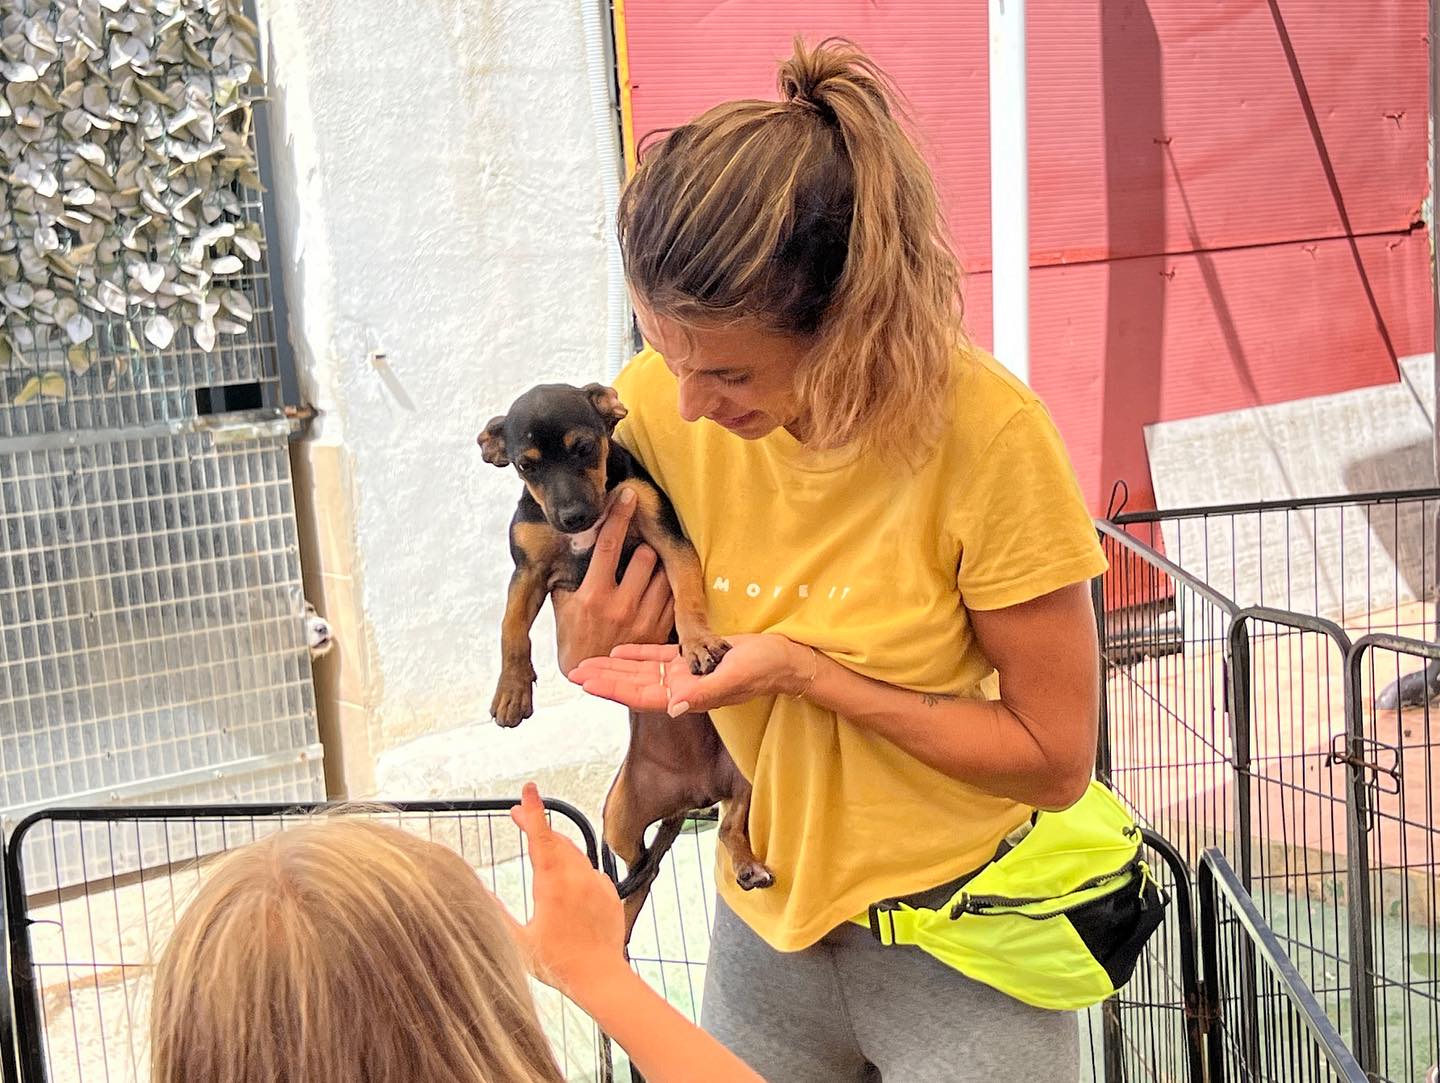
(574, 518)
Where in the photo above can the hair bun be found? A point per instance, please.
(811, 76)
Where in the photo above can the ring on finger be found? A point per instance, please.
(662, 673)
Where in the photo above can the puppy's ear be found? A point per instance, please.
(492, 442)
(607, 403)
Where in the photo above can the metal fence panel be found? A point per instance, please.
(1149, 1032)
(151, 625)
(1167, 728)
(1152, 1029)
(151, 611)
(1397, 765)
(81, 956)
(1265, 1024)
(1293, 851)
(1369, 559)
(1308, 763)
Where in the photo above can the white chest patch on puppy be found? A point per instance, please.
(585, 539)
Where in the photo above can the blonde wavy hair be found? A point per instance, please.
(815, 216)
(344, 949)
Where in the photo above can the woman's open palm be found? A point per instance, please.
(654, 678)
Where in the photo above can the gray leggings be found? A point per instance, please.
(849, 1008)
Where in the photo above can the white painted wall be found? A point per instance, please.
(440, 202)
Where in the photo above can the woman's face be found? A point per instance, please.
(742, 377)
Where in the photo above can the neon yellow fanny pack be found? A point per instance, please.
(1058, 920)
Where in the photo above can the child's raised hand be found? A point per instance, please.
(575, 942)
(577, 932)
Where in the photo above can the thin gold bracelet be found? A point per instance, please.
(814, 672)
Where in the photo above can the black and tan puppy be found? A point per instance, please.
(559, 439)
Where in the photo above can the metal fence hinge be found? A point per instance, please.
(1379, 760)
(1197, 1008)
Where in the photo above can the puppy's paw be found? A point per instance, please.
(513, 702)
(703, 653)
(753, 875)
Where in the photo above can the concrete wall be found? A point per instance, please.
(443, 239)
(1338, 562)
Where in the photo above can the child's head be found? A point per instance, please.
(344, 949)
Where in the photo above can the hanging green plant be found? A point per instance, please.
(125, 153)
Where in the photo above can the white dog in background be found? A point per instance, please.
(317, 633)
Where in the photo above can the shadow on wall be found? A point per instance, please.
(1141, 170)
(1322, 152)
(1133, 99)
(1133, 96)
(1407, 532)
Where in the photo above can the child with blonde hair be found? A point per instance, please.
(348, 950)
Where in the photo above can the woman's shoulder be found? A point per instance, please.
(987, 399)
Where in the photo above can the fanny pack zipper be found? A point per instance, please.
(983, 905)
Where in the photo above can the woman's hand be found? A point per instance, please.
(576, 937)
(654, 678)
(603, 613)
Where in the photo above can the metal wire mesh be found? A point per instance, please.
(1399, 835)
(119, 379)
(1166, 738)
(151, 614)
(127, 383)
(82, 956)
(671, 941)
(1265, 1025)
(151, 623)
(1366, 562)
(1150, 1029)
(1292, 793)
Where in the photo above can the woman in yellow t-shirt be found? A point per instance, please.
(893, 542)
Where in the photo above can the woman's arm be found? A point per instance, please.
(1036, 744)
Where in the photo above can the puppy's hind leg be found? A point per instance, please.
(635, 888)
(630, 808)
(735, 837)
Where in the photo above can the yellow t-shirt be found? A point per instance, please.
(876, 566)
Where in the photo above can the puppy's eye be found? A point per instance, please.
(582, 448)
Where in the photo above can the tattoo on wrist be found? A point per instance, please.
(934, 699)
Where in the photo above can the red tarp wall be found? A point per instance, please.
(1224, 197)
